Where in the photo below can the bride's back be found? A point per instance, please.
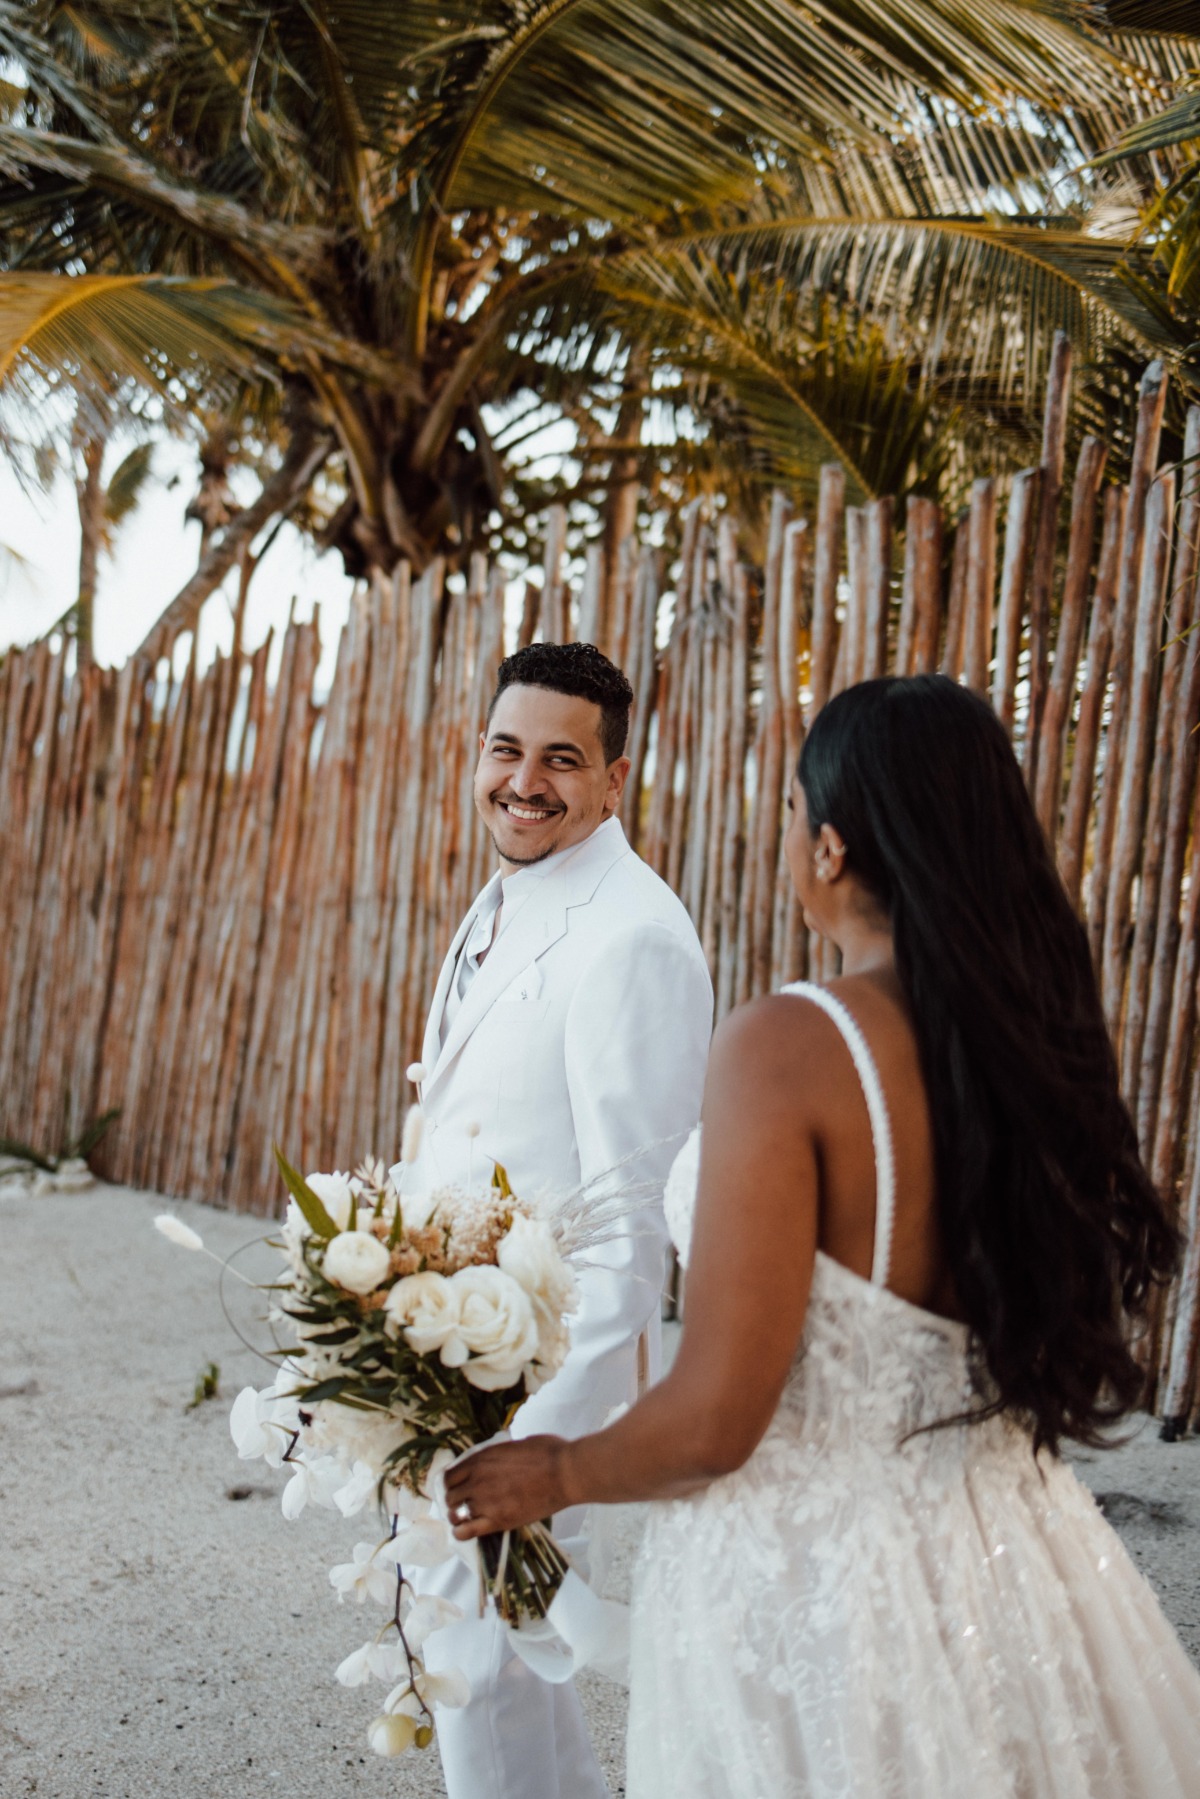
(848, 1171)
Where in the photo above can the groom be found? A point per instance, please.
(569, 1030)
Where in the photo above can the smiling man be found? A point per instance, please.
(567, 1037)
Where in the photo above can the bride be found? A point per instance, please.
(922, 1233)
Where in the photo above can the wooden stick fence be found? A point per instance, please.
(225, 901)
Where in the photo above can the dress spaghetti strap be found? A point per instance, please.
(881, 1128)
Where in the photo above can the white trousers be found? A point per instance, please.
(518, 1737)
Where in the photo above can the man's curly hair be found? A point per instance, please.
(578, 669)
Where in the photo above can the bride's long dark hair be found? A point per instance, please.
(1052, 1228)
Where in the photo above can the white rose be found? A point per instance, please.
(335, 1192)
(497, 1326)
(530, 1254)
(427, 1308)
(356, 1261)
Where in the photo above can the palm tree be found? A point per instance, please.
(1162, 153)
(799, 232)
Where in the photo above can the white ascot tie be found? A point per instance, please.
(493, 918)
(478, 942)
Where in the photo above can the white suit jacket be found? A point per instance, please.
(581, 1039)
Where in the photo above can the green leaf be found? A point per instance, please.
(325, 1389)
(317, 1218)
(329, 1339)
(89, 1139)
(1178, 123)
(22, 1153)
(500, 1180)
(126, 484)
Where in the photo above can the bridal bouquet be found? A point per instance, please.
(418, 1326)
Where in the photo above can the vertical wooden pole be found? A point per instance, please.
(1054, 437)
(733, 842)
(980, 584)
(852, 650)
(768, 757)
(1157, 911)
(1056, 714)
(956, 601)
(554, 600)
(1152, 396)
(831, 501)
(1180, 713)
(1136, 746)
(1078, 806)
(878, 572)
(1018, 549)
(921, 604)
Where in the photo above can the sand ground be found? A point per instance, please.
(164, 1634)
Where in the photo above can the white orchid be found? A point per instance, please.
(262, 1424)
(450, 1688)
(393, 1734)
(357, 1491)
(426, 1614)
(371, 1575)
(424, 1543)
(375, 1660)
(312, 1483)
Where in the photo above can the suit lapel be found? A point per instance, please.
(431, 1047)
(541, 921)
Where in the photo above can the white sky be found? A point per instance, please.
(155, 552)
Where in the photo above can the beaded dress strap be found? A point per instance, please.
(881, 1128)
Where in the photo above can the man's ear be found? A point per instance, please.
(482, 742)
(618, 774)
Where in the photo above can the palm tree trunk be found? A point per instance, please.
(620, 511)
(279, 494)
(90, 493)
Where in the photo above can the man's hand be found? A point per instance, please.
(507, 1485)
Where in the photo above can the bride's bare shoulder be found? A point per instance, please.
(774, 1040)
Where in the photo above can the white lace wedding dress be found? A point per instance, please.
(859, 1613)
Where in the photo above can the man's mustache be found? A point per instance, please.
(514, 799)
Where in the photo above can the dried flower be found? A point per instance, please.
(416, 1072)
(414, 1126)
(176, 1231)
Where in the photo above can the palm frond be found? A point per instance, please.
(1169, 17)
(614, 110)
(1178, 123)
(234, 228)
(975, 299)
(126, 484)
(171, 335)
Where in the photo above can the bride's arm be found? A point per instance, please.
(748, 1282)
